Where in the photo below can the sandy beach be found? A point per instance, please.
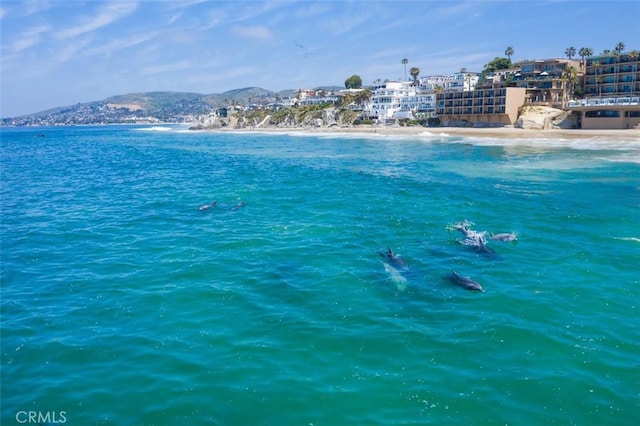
(493, 132)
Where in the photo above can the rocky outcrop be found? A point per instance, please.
(542, 118)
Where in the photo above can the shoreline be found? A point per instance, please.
(490, 132)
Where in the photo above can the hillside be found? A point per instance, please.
(148, 107)
(139, 107)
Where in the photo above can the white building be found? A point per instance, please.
(393, 100)
(458, 82)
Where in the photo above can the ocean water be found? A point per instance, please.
(123, 303)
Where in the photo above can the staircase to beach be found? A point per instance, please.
(267, 118)
(560, 118)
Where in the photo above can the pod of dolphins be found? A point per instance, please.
(395, 264)
(477, 240)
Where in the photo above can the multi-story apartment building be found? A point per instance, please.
(492, 104)
(612, 90)
(612, 75)
(545, 81)
(457, 82)
(392, 100)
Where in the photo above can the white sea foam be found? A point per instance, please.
(154, 129)
(636, 239)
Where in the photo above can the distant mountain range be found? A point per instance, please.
(150, 107)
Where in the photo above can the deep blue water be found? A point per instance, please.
(123, 303)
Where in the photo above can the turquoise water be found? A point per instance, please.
(124, 304)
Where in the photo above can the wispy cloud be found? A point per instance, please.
(70, 50)
(118, 44)
(33, 7)
(107, 14)
(29, 38)
(258, 32)
(167, 68)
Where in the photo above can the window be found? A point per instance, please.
(603, 113)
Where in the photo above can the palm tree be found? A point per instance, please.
(616, 52)
(570, 52)
(509, 52)
(415, 72)
(405, 61)
(616, 55)
(569, 80)
(585, 52)
(633, 55)
(598, 76)
(468, 80)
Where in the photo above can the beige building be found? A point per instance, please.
(622, 112)
(490, 104)
(612, 90)
(545, 82)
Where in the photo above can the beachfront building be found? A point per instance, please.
(389, 100)
(457, 82)
(612, 92)
(612, 75)
(489, 105)
(398, 100)
(546, 81)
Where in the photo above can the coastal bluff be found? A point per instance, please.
(530, 117)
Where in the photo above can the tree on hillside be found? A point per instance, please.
(509, 52)
(570, 52)
(358, 98)
(353, 82)
(405, 61)
(415, 72)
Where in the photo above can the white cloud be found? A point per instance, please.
(255, 32)
(71, 50)
(29, 38)
(107, 14)
(164, 68)
(117, 44)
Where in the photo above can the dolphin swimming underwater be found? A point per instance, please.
(396, 267)
(505, 236)
(208, 206)
(394, 259)
(465, 282)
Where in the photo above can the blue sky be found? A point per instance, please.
(58, 53)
